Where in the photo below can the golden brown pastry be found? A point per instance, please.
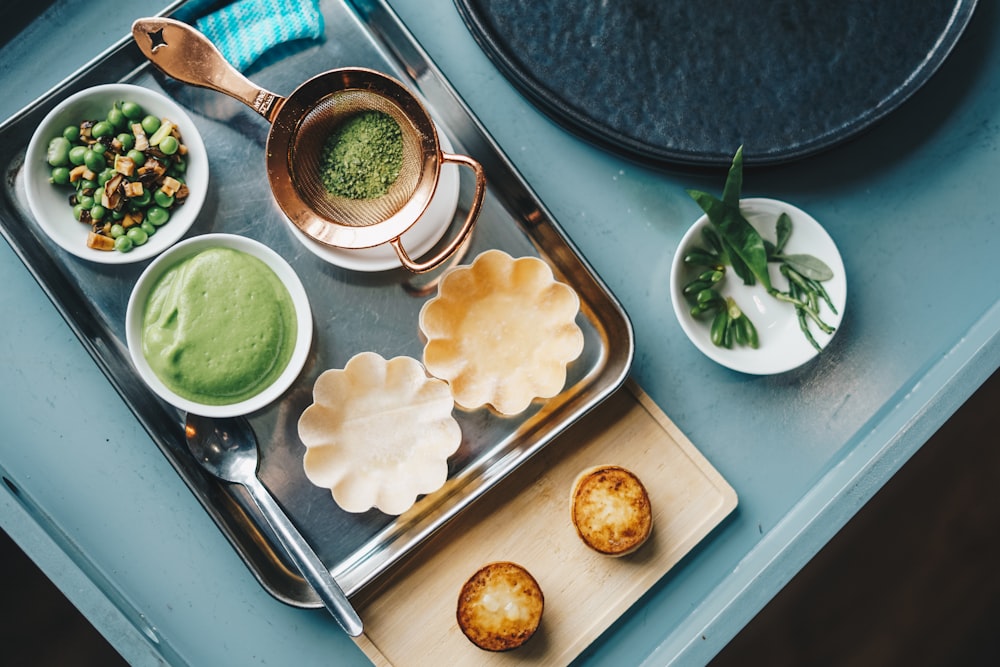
(500, 606)
(611, 510)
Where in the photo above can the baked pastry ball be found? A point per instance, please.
(610, 510)
(500, 606)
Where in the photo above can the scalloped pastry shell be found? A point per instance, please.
(379, 433)
(501, 332)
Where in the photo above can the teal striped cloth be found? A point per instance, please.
(245, 30)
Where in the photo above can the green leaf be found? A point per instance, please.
(784, 231)
(742, 239)
(809, 267)
(734, 181)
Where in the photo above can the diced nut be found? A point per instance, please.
(170, 186)
(112, 196)
(76, 173)
(124, 165)
(100, 242)
(141, 141)
(133, 189)
(132, 218)
(89, 175)
(182, 193)
(154, 167)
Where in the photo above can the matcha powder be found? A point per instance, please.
(362, 158)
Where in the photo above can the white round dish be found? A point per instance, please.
(48, 202)
(417, 240)
(188, 248)
(783, 346)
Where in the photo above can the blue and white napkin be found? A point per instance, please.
(245, 30)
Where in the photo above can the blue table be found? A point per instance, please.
(910, 205)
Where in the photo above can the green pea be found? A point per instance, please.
(163, 199)
(86, 201)
(138, 157)
(78, 211)
(123, 244)
(59, 175)
(150, 124)
(132, 110)
(127, 141)
(57, 154)
(117, 118)
(178, 168)
(105, 176)
(94, 161)
(169, 145)
(116, 231)
(157, 216)
(143, 200)
(97, 212)
(87, 185)
(102, 128)
(72, 133)
(77, 153)
(137, 235)
(117, 215)
(148, 227)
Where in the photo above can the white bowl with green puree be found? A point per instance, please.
(219, 325)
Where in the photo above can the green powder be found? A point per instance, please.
(362, 158)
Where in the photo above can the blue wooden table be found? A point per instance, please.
(910, 205)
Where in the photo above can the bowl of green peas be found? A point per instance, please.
(116, 173)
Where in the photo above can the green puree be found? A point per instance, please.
(218, 327)
(362, 158)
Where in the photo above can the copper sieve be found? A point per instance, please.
(300, 126)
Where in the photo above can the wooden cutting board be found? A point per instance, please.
(410, 618)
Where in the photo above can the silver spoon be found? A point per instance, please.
(227, 448)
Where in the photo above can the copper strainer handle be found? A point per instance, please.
(463, 233)
(187, 55)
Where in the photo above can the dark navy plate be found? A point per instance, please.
(688, 81)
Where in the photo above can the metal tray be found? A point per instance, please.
(353, 311)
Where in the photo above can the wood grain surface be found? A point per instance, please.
(410, 619)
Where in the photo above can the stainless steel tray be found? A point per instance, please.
(353, 311)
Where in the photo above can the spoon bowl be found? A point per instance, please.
(227, 448)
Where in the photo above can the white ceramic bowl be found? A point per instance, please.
(783, 346)
(48, 202)
(188, 248)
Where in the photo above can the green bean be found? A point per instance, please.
(169, 145)
(157, 216)
(719, 326)
(696, 286)
(57, 154)
(94, 161)
(60, 175)
(132, 110)
(117, 118)
(127, 140)
(102, 128)
(77, 153)
(702, 258)
(150, 124)
(162, 199)
(137, 235)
